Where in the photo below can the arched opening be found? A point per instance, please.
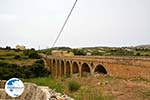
(75, 68)
(54, 67)
(58, 68)
(85, 70)
(47, 62)
(50, 65)
(50, 62)
(100, 70)
(68, 68)
(62, 68)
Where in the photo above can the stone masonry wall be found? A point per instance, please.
(33, 92)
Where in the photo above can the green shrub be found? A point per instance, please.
(31, 53)
(17, 57)
(73, 86)
(137, 54)
(40, 61)
(59, 87)
(17, 50)
(34, 55)
(79, 52)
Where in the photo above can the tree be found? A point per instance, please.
(78, 52)
(8, 48)
(31, 53)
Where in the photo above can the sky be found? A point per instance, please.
(36, 23)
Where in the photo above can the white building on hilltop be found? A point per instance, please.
(20, 47)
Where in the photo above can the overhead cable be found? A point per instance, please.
(60, 32)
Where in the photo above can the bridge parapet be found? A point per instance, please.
(134, 61)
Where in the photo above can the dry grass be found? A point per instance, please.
(21, 62)
(100, 87)
(9, 52)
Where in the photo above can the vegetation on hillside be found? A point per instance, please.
(12, 56)
(104, 51)
(21, 64)
(8, 70)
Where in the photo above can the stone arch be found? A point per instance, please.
(62, 68)
(75, 68)
(68, 68)
(100, 69)
(85, 69)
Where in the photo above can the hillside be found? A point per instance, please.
(143, 46)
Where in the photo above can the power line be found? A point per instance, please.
(64, 24)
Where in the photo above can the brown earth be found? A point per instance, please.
(114, 87)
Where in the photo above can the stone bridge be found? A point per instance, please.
(126, 67)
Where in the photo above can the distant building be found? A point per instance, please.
(62, 53)
(56, 53)
(67, 53)
(20, 47)
(128, 49)
(88, 53)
